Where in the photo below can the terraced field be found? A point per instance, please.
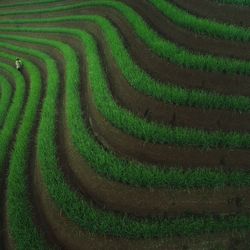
(128, 126)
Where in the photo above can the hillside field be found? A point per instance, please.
(127, 126)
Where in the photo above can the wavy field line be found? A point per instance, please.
(56, 175)
(67, 109)
(5, 98)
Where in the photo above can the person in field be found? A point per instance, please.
(18, 64)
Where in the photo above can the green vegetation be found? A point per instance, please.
(201, 25)
(71, 203)
(5, 98)
(79, 210)
(22, 229)
(107, 164)
(142, 81)
(138, 127)
(159, 45)
(13, 116)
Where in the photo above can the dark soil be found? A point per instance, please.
(161, 69)
(231, 14)
(5, 167)
(121, 198)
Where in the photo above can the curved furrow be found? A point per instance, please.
(178, 96)
(147, 107)
(52, 169)
(221, 13)
(222, 161)
(195, 35)
(235, 3)
(7, 133)
(162, 47)
(112, 202)
(201, 25)
(18, 197)
(156, 153)
(69, 213)
(203, 97)
(217, 47)
(221, 83)
(5, 98)
(177, 116)
(14, 112)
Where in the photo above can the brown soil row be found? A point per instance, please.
(88, 181)
(38, 220)
(5, 239)
(31, 6)
(185, 37)
(163, 154)
(153, 201)
(92, 182)
(161, 69)
(3, 177)
(85, 179)
(222, 13)
(178, 35)
(145, 202)
(151, 109)
(60, 229)
(5, 168)
(72, 237)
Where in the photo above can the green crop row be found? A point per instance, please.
(107, 164)
(160, 46)
(140, 128)
(79, 210)
(5, 98)
(142, 81)
(19, 210)
(201, 25)
(13, 115)
(237, 2)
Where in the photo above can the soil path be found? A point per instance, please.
(161, 69)
(231, 14)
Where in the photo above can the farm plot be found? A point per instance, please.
(119, 133)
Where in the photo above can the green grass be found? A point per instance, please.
(75, 207)
(131, 124)
(13, 115)
(107, 164)
(160, 46)
(5, 98)
(22, 229)
(79, 210)
(141, 81)
(201, 25)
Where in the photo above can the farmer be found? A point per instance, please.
(18, 64)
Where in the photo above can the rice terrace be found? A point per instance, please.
(125, 124)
